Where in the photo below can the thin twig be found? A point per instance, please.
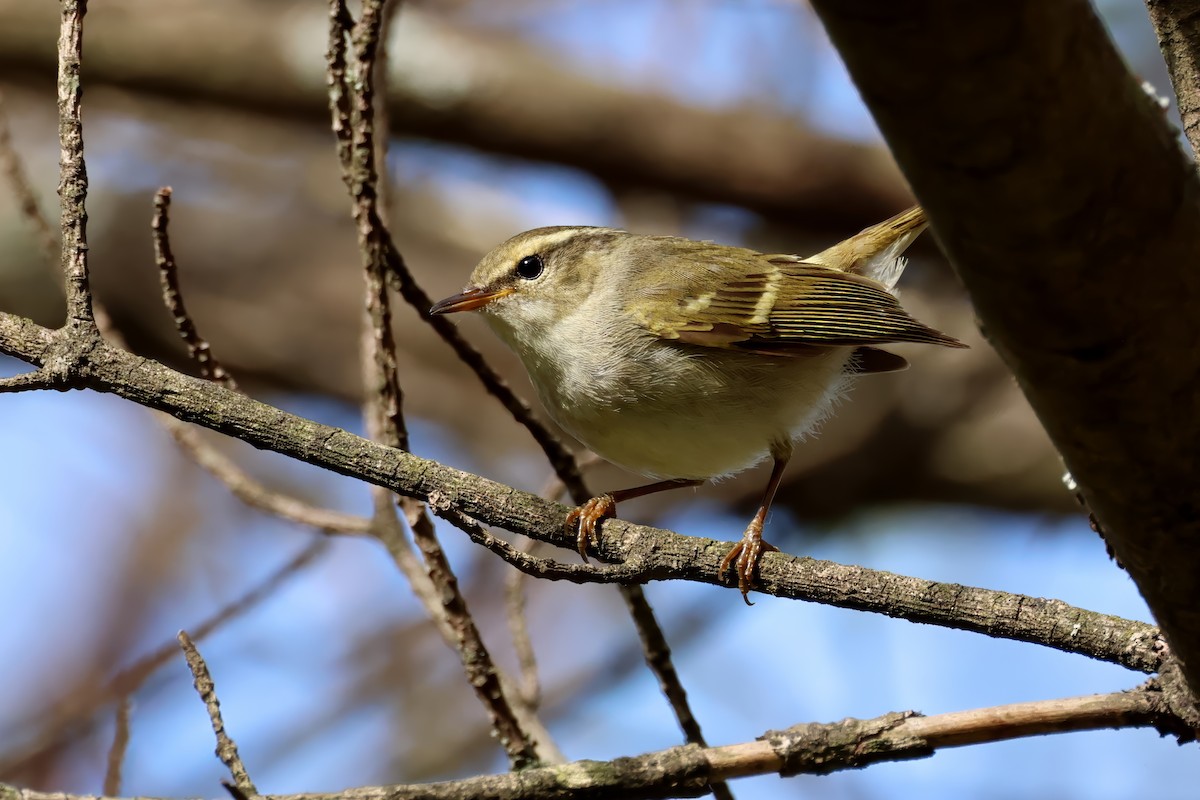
(22, 189)
(226, 748)
(812, 748)
(27, 382)
(73, 183)
(254, 494)
(549, 569)
(402, 281)
(514, 598)
(530, 684)
(168, 273)
(352, 105)
(120, 744)
(383, 124)
(250, 491)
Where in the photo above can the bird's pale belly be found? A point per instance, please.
(716, 428)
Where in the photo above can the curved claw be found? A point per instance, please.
(588, 516)
(744, 557)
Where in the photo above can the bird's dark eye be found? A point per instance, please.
(530, 267)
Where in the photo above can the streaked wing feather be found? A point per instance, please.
(788, 306)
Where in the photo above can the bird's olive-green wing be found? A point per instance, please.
(775, 304)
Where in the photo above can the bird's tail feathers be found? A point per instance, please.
(876, 251)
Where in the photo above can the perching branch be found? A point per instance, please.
(657, 552)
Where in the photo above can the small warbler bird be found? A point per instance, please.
(686, 361)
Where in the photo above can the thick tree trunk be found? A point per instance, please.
(1062, 196)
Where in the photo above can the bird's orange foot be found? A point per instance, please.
(744, 557)
(587, 516)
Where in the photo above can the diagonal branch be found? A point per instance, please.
(352, 102)
(813, 749)
(351, 106)
(168, 273)
(661, 554)
(1177, 26)
(226, 748)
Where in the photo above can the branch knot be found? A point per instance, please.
(819, 748)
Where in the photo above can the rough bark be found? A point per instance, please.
(1064, 200)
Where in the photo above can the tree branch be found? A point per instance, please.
(660, 554)
(73, 183)
(1177, 26)
(226, 748)
(814, 749)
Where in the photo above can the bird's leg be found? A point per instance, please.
(596, 509)
(745, 555)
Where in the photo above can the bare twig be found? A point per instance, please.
(226, 748)
(1177, 26)
(561, 459)
(530, 685)
(813, 749)
(255, 494)
(73, 184)
(534, 566)
(352, 106)
(120, 743)
(168, 272)
(129, 680)
(250, 491)
(27, 382)
(515, 596)
(22, 189)
(658, 655)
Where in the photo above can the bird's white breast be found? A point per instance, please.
(671, 410)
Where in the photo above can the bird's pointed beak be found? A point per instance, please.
(468, 300)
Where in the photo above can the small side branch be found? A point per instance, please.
(120, 743)
(73, 182)
(18, 181)
(1177, 26)
(352, 74)
(226, 749)
(168, 272)
(812, 749)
